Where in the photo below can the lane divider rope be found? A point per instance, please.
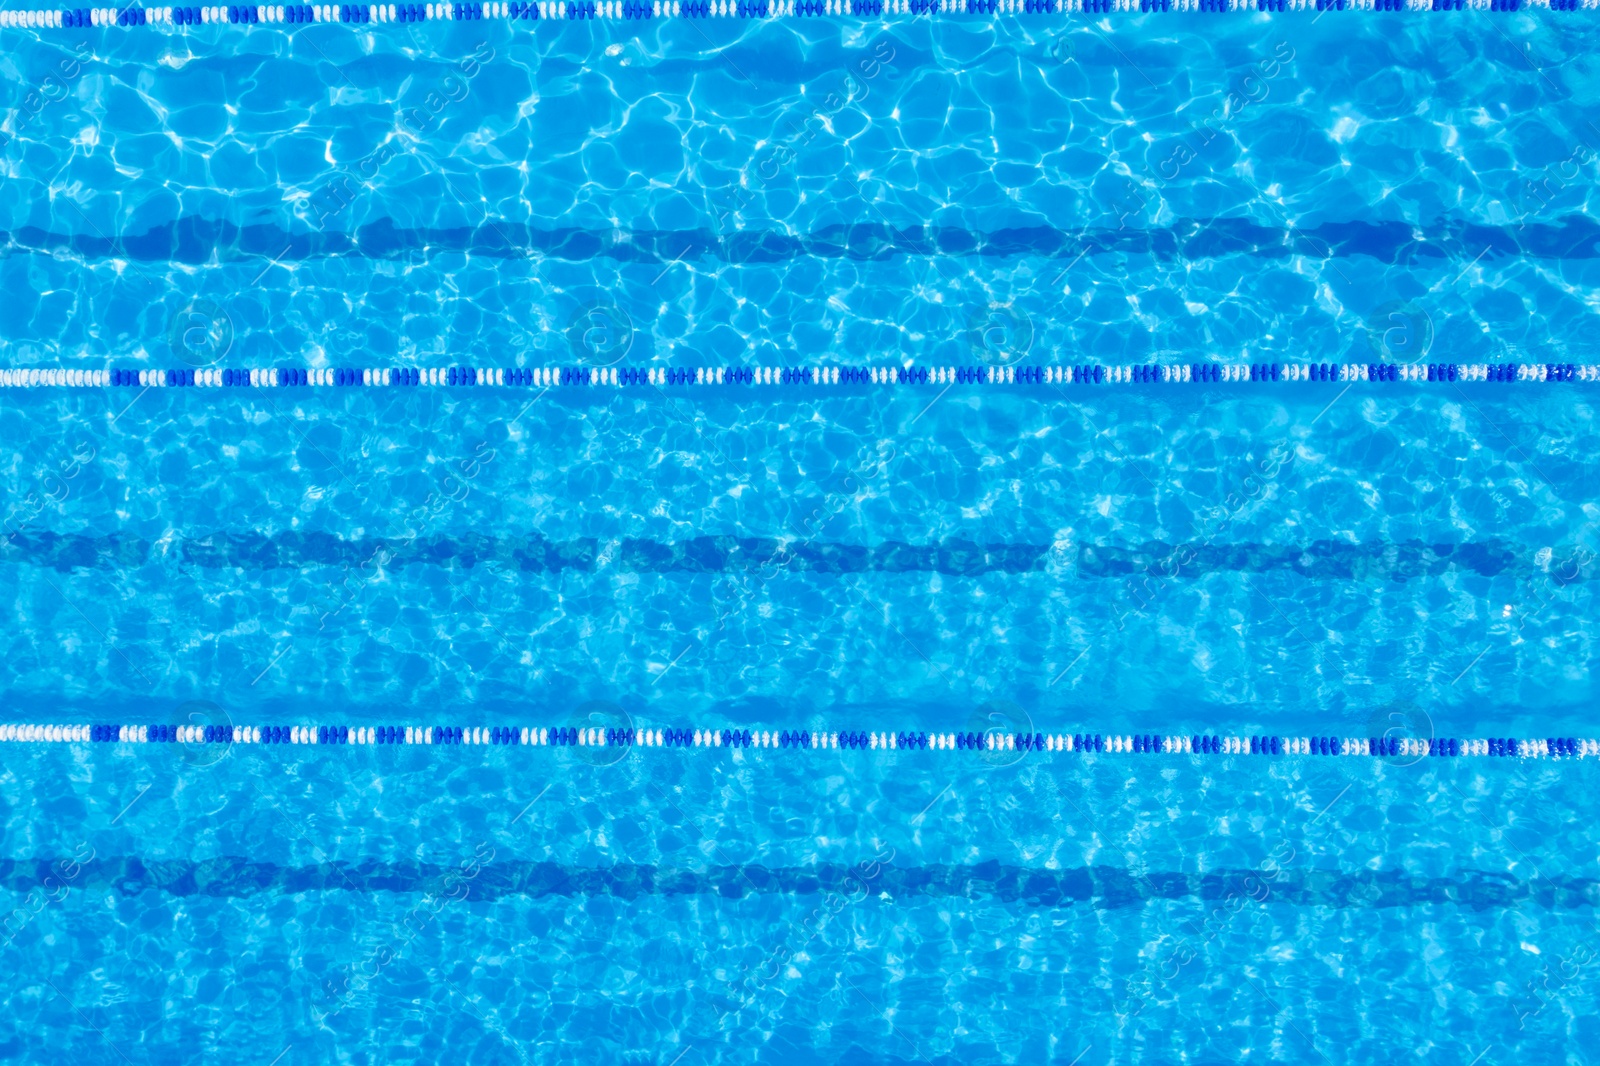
(659, 377)
(639, 10)
(540, 736)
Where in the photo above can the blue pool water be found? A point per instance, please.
(940, 192)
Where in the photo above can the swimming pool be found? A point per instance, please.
(1152, 378)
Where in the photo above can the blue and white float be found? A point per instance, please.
(1043, 744)
(1045, 379)
(530, 14)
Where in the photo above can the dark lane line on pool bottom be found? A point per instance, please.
(295, 550)
(1104, 887)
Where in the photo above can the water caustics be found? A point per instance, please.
(897, 535)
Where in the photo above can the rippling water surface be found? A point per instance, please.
(1304, 559)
